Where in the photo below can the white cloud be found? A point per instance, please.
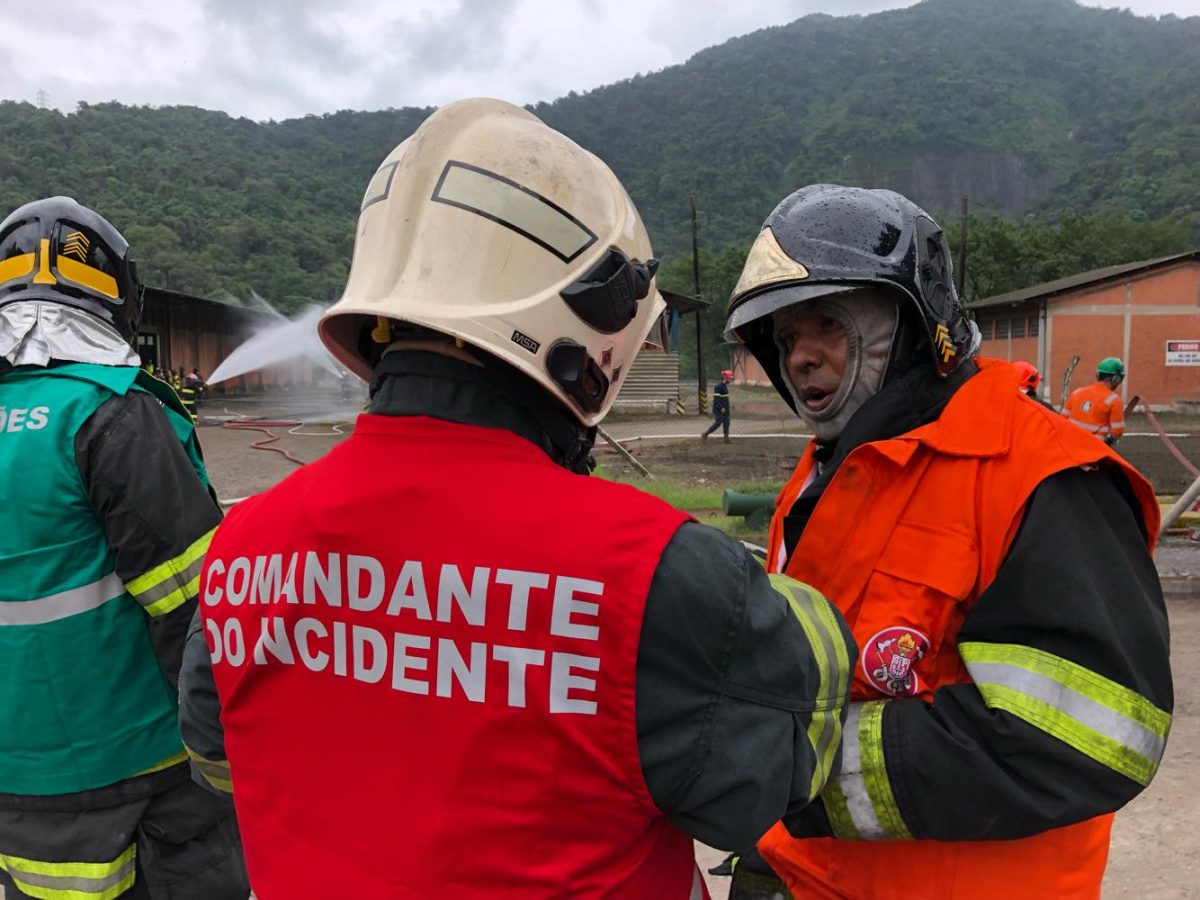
(283, 58)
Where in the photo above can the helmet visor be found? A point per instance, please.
(763, 306)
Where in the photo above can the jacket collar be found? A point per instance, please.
(978, 419)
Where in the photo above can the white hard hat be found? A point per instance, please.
(491, 227)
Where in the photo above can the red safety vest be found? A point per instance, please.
(425, 646)
(906, 536)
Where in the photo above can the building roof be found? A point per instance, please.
(683, 303)
(170, 297)
(1050, 289)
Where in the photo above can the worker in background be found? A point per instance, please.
(1097, 408)
(539, 684)
(999, 717)
(721, 405)
(196, 382)
(1030, 378)
(190, 394)
(105, 514)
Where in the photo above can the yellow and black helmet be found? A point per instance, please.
(58, 251)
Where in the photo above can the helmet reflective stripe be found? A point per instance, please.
(513, 206)
(17, 266)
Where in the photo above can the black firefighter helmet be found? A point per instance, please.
(61, 252)
(826, 238)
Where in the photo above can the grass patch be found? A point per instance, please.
(702, 500)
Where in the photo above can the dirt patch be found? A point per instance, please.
(742, 461)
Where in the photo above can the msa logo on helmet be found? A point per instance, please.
(525, 341)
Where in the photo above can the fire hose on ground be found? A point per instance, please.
(265, 425)
(1192, 494)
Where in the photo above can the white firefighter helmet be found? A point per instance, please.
(491, 227)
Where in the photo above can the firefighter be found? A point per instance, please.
(1097, 408)
(992, 561)
(538, 684)
(189, 394)
(106, 516)
(721, 405)
(1030, 378)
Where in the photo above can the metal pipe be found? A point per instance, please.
(1182, 505)
(622, 452)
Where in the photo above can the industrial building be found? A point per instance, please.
(179, 331)
(1147, 313)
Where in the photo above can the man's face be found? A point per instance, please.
(815, 349)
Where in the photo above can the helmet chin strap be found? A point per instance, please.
(870, 317)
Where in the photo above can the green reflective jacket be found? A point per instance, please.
(83, 702)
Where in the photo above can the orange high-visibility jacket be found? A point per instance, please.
(1098, 409)
(906, 536)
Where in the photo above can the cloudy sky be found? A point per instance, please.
(284, 58)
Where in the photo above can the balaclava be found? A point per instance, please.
(870, 316)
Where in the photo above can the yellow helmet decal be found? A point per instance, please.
(16, 266)
(44, 275)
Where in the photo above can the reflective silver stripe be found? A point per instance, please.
(1096, 716)
(513, 206)
(1087, 426)
(697, 885)
(63, 604)
(170, 584)
(852, 783)
(73, 880)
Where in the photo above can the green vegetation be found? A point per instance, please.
(702, 500)
(1082, 125)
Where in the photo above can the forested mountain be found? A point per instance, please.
(1032, 107)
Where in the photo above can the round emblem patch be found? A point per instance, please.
(888, 659)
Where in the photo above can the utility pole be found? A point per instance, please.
(960, 276)
(701, 379)
(43, 99)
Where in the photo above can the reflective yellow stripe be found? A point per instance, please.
(214, 771)
(820, 626)
(73, 881)
(1105, 720)
(860, 803)
(839, 815)
(180, 757)
(169, 584)
(175, 598)
(870, 738)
